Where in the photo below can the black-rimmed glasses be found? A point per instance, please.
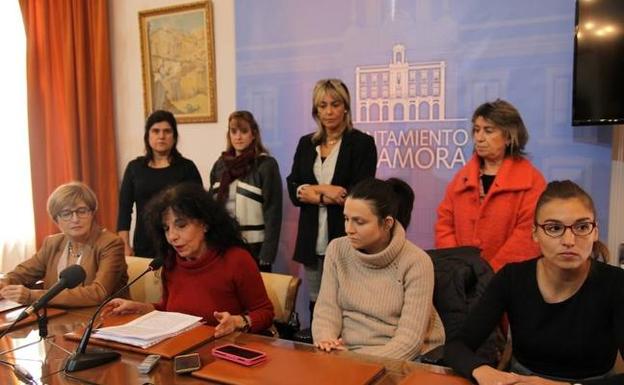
(556, 229)
(81, 212)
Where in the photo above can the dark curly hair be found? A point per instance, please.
(191, 201)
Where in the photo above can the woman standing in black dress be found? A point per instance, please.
(160, 167)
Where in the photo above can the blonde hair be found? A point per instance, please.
(68, 194)
(338, 90)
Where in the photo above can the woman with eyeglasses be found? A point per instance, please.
(565, 307)
(82, 241)
(489, 203)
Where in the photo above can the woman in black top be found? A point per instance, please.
(565, 308)
(161, 166)
(327, 164)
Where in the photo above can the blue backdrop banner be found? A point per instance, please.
(416, 71)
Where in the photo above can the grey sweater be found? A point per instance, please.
(380, 304)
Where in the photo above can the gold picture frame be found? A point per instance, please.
(177, 54)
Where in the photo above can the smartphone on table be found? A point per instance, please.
(239, 354)
(186, 363)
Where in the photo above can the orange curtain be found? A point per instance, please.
(70, 107)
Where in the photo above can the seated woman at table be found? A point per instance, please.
(565, 308)
(376, 294)
(207, 270)
(72, 207)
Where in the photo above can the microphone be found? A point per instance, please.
(81, 359)
(69, 278)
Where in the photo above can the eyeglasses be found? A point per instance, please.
(81, 212)
(556, 230)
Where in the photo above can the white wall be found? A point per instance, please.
(201, 142)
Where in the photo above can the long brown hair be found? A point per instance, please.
(248, 117)
(566, 189)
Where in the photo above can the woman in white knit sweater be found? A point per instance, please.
(376, 295)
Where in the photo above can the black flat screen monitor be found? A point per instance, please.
(598, 85)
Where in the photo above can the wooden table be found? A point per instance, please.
(45, 360)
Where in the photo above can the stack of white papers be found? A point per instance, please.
(149, 329)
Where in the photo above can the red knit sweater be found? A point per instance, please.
(230, 282)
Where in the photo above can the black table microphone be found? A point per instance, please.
(69, 278)
(81, 359)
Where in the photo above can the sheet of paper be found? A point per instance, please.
(6, 304)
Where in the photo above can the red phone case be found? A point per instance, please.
(239, 354)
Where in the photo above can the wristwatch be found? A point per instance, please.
(246, 324)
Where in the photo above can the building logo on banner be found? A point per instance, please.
(403, 106)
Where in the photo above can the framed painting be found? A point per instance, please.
(177, 53)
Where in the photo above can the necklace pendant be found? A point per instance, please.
(73, 252)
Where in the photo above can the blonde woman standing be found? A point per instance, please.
(326, 165)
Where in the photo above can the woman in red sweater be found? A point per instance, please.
(207, 270)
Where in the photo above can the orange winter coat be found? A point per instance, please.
(501, 225)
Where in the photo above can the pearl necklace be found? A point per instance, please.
(75, 253)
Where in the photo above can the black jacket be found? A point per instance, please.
(258, 212)
(461, 277)
(357, 160)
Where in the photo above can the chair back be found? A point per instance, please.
(282, 290)
(147, 289)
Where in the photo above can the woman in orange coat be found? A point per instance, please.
(490, 201)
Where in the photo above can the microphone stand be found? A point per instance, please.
(81, 359)
(21, 373)
(68, 279)
(42, 322)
